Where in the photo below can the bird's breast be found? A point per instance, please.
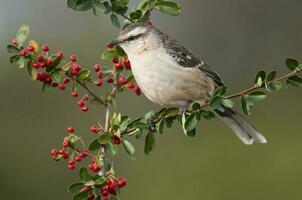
(165, 82)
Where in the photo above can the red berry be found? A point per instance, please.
(121, 182)
(40, 58)
(62, 86)
(65, 156)
(110, 46)
(36, 65)
(78, 158)
(66, 81)
(71, 166)
(83, 154)
(70, 129)
(74, 72)
(127, 63)
(48, 79)
(74, 94)
(60, 54)
(118, 66)
(14, 41)
(131, 85)
(54, 152)
(112, 188)
(30, 48)
(110, 80)
(91, 197)
(90, 166)
(45, 48)
(54, 84)
(71, 162)
(99, 83)
(94, 159)
(94, 129)
(116, 140)
(105, 193)
(73, 58)
(65, 143)
(23, 52)
(115, 60)
(84, 109)
(49, 62)
(97, 67)
(122, 80)
(43, 64)
(100, 75)
(61, 151)
(81, 104)
(137, 91)
(96, 168)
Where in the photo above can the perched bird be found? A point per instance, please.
(170, 75)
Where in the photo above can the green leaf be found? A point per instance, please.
(168, 7)
(136, 15)
(216, 103)
(260, 78)
(196, 106)
(246, 107)
(84, 74)
(80, 5)
(271, 75)
(55, 62)
(129, 148)
(98, 7)
(295, 81)
(140, 125)
(145, 17)
(276, 85)
(13, 59)
(109, 54)
(149, 143)
(82, 195)
(291, 64)
(32, 72)
(12, 49)
(94, 145)
(115, 21)
(45, 87)
(190, 122)
(228, 103)
(105, 137)
(22, 34)
(257, 96)
(84, 175)
(208, 115)
(112, 148)
(99, 180)
(21, 61)
(75, 188)
(56, 75)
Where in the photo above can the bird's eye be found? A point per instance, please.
(131, 38)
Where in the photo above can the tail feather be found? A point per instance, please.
(242, 128)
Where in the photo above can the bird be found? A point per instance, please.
(171, 75)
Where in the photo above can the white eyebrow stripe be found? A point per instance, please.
(137, 31)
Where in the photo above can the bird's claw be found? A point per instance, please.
(150, 125)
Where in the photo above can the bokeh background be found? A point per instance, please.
(237, 37)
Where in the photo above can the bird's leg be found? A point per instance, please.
(150, 125)
(185, 107)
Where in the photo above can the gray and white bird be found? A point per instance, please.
(170, 75)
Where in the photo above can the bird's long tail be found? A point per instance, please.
(242, 128)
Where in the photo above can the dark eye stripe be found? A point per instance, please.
(134, 37)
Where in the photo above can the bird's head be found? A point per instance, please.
(136, 37)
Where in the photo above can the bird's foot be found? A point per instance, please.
(184, 108)
(150, 125)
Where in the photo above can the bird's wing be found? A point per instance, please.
(186, 58)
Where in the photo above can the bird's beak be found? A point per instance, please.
(115, 42)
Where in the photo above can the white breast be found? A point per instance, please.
(165, 82)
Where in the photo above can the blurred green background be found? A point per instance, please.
(237, 37)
